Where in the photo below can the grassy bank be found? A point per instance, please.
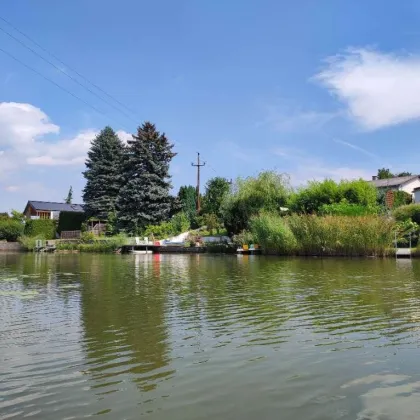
(93, 244)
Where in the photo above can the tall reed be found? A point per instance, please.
(342, 235)
(273, 234)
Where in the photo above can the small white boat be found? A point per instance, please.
(141, 251)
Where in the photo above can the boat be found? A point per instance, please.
(141, 251)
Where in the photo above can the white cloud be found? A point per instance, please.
(124, 136)
(23, 131)
(21, 125)
(12, 188)
(379, 89)
(64, 152)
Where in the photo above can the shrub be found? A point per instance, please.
(272, 233)
(267, 192)
(243, 238)
(347, 209)
(402, 198)
(211, 222)
(180, 223)
(10, 229)
(407, 232)
(87, 237)
(29, 242)
(408, 212)
(44, 227)
(67, 246)
(161, 231)
(70, 220)
(359, 192)
(317, 194)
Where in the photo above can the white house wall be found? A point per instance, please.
(409, 186)
(417, 196)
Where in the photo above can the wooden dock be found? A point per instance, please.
(403, 253)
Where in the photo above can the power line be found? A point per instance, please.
(66, 65)
(59, 86)
(66, 74)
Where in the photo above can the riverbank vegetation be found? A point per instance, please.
(347, 218)
(128, 188)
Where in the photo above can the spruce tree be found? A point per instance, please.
(104, 174)
(69, 198)
(144, 199)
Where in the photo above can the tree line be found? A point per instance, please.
(129, 185)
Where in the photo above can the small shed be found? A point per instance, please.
(48, 209)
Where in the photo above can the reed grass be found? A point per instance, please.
(342, 235)
(369, 235)
(272, 233)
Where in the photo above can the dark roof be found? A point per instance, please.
(48, 206)
(393, 182)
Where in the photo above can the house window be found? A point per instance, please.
(43, 214)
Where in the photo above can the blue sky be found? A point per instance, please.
(314, 89)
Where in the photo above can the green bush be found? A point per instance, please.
(401, 198)
(272, 233)
(408, 212)
(180, 223)
(244, 238)
(347, 209)
(93, 244)
(10, 229)
(317, 194)
(407, 231)
(67, 246)
(267, 192)
(70, 220)
(29, 242)
(44, 227)
(162, 231)
(87, 237)
(211, 221)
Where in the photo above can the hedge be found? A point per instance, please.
(408, 212)
(10, 230)
(70, 220)
(44, 227)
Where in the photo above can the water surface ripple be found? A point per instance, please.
(195, 337)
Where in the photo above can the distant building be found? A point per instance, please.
(417, 195)
(49, 210)
(402, 183)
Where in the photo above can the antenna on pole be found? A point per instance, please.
(198, 165)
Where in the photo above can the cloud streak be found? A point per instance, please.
(359, 149)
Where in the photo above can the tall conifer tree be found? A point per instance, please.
(104, 174)
(145, 199)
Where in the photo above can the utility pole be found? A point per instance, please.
(198, 165)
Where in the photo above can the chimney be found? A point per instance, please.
(374, 178)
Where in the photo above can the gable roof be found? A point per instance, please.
(50, 206)
(393, 182)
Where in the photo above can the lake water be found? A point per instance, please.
(208, 337)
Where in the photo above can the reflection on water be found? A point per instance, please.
(198, 337)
